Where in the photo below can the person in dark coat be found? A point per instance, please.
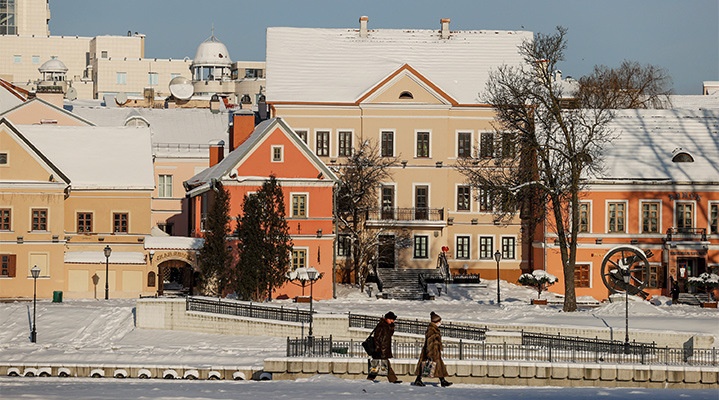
(674, 291)
(432, 350)
(383, 344)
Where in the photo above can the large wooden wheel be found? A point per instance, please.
(626, 260)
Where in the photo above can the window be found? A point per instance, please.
(166, 227)
(508, 245)
(323, 143)
(119, 222)
(485, 200)
(302, 135)
(5, 220)
(8, 267)
(683, 158)
(387, 144)
(253, 73)
(463, 250)
(714, 219)
(152, 78)
(420, 246)
(344, 246)
(387, 202)
(582, 274)
(17, 59)
(7, 17)
(39, 219)
(616, 217)
(421, 202)
(406, 95)
(203, 211)
(463, 198)
(508, 148)
(650, 217)
(655, 277)
(173, 76)
(164, 186)
(486, 145)
(84, 222)
(508, 202)
(299, 258)
(423, 144)
(584, 213)
(685, 214)
(121, 78)
(299, 205)
(486, 247)
(345, 149)
(277, 155)
(3, 158)
(103, 54)
(151, 279)
(36, 59)
(464, 144)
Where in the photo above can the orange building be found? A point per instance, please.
(659, 192)
(307, 185)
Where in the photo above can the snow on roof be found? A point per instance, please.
(172, 243)
(694, 102)
(97, 157)
(648, 140)
(179, 130)
(98, 257)
(336, 65)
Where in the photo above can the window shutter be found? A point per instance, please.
(11, 258)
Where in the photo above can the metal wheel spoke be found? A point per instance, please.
(640, 282)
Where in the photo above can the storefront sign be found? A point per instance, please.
(185, 255)
(689, 253)
(685, 196)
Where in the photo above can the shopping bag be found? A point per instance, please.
(428, 367)
(368, 344)
(378, 366)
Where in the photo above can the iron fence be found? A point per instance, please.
(417, 327)
(246, 310)
(586, 344)
(327, 347)
(406, 214)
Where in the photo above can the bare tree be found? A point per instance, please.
(543, 149)
(360, 178)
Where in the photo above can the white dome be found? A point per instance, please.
(211, 52)
(53, 65)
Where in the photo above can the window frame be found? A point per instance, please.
(713, 229)
(463, 251)
(6, 226)
(463, 199)
(484, 253)
(464, 145)
(322, 142)
(5, 157)
(344, 146)
(417, 142)
(304, 206)
(512, 251)
(344, 246)
(486, 201)
(296, 251)
(303, 134)
(274, 149)
(419, 253)
(84, 221)
(590, 271)
(39, 224)
(115, 214)
(151, 81)
(383, 150)
(162, 186)
(693, 205)
(588, 225)
(642, 203)
(120, 78)
(8, 265)
(608, 225)
(486, 145)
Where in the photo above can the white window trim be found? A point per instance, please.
(591, 274)
(394, 141)
(456, 198)
(456, 141)
(471, 246)
(479, 142)
(307, 256)
(479, 247)
(590, 228)
(314, 139)
(307, 204)
(491, 200)
(641, 216)
(394, 193)
(429, 247)
(416, 131)
(349, 255)
(414, 194)
(47, 222)
(307, 135)
(282, 153)
(694, 212)
(85, 212)
(129, 218)
(159, 194)
(626, 216)
(516, 241)
(709, 214)
(7, 156)
(352, 136)
(12, 219)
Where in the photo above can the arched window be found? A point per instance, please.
(136, 121)
(151, 279)
(682, 157)
(406, 95)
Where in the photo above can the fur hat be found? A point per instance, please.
(434, 317)
(390, 315)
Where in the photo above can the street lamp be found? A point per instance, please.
(35, 271)
(626, 276)
(498, 256)
(107, 250)
(312, 275)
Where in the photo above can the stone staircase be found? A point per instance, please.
(402, 284)
(693, 299)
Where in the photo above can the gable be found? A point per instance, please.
(406, 86)
(24, 161)
(38, 111)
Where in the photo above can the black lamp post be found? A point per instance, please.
(35, 271)
(312, 275)
(107, 250)
(626, 276)
(497, 257)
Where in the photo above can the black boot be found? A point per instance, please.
(444, 382)
(418, 381)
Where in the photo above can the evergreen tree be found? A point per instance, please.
(215, 259)
(247, 276)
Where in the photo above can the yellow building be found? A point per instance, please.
(416, 94)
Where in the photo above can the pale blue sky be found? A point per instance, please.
(682, 36)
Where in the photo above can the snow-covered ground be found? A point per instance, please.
(100, 331)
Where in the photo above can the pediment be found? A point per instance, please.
(406, 86)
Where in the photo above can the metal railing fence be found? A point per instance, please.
(246, 310)
(417, 327)
(586, 344)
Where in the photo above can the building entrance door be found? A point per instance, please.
(386, 251)
(176, 278)
(688, 267)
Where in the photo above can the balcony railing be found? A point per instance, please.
(406, 214)
(686, 233)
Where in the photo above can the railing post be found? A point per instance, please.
(504, 351)
(460, 350)
(550, 351)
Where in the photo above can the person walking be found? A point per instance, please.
(383, 345)
(432, 351)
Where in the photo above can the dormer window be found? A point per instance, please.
(406, 95)
(682, 157)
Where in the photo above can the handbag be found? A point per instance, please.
(368, 344)
(378, 366)
(428, 368)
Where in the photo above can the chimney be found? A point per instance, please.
(445, 27)
(363, 26)
(243, 124)
(217, 153)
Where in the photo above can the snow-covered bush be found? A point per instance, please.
(705, 282)
(539, 279)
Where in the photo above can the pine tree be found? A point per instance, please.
(278, 244)
(247, 272)
(215, 259)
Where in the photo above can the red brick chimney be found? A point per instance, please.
(217, 153)
(243, 124)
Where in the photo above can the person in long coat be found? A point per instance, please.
(432, 350)
(383, 344)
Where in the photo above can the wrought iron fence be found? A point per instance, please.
(229, 307)
(327, 347)
(417, 327)
(465, 278)
(586, 344)
(406, 214)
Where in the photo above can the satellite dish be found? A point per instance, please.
(71, 93)
(121, 98)
(181, 88)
